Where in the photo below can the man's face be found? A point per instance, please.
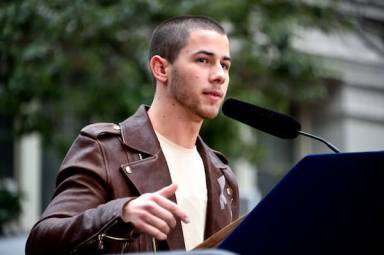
(200, 74)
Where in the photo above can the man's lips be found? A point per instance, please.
(213, 93)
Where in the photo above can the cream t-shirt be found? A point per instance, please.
(187, 171)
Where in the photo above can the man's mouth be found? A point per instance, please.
(214, 94)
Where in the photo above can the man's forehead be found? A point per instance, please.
(203, 35)
(207, 42)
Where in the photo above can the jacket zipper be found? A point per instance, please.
(107, 226)
(125, 241)
(101, 237)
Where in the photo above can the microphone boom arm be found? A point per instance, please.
(331, 146)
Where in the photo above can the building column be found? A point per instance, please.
(28, 174)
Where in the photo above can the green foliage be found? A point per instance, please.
(64, 65)
(10, 206)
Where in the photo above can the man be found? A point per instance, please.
(150, 183)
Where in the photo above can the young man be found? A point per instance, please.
(150, 183)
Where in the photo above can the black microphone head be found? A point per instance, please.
(274, 123)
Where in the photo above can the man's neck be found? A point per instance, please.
(175, 123)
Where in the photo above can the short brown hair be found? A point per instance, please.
(171, 36)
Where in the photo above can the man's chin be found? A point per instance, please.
(209, 114)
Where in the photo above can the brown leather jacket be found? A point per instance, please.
(107, 166)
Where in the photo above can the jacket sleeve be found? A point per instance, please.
(81, 207)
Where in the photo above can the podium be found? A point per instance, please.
(326, 204)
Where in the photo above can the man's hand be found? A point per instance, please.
(153, 213)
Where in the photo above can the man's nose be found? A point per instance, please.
(218, 74)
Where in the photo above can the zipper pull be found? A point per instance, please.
(125, 244)
(154, 246)
(100, 245)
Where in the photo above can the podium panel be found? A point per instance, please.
(199, 252)
(326, 204)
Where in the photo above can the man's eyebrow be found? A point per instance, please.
(209, 53)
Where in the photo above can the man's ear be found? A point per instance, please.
(159, 68)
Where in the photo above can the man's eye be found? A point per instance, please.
(225, 66)
(202, 60)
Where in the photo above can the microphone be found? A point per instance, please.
(268, 121)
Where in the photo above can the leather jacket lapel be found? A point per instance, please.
(150, 173)
(217, 216)
(137, 132)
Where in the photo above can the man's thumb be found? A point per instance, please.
(168, 191)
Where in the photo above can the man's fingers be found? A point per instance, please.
(154, 213)
(163, 214)
(172, 208)
(151, 230)
(167, 192)
(157, 223)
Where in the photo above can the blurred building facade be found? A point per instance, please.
(351, 117)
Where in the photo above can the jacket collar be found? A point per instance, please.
(138, 133)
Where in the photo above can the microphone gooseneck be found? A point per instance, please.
(329, 145)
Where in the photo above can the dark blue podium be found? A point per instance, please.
(326, 204)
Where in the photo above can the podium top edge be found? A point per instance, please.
(353, 153)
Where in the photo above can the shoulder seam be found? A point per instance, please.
(97, 129)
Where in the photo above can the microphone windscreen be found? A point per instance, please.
(274, 123)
